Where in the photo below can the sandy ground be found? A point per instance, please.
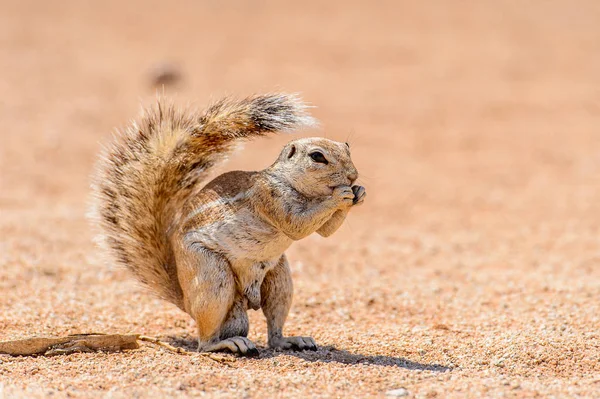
(472, 270)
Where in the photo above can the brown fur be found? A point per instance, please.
(217, 250)
(158, 162)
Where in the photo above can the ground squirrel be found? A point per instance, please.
(216, 250)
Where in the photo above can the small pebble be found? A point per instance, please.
(164, 74)
(397, 393)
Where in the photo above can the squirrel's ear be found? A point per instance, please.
(292, 151)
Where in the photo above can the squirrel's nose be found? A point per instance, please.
(352, 176)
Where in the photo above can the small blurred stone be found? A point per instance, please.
(397, 393)
(164, 74)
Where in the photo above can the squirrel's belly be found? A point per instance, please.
(244, 236)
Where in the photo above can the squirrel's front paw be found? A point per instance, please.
(296, 343)
(359, 194)
(344, 196)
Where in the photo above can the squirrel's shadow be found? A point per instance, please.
(328, 354)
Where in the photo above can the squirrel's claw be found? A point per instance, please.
(359, 194)
(238, 345)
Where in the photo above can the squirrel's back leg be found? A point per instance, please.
(276, 294)
(236, 323)
(209, 297)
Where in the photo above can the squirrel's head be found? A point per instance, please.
(314, 166)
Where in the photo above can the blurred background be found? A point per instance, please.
(474, 124)
(430, 95)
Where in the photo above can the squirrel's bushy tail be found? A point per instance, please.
(155, 164)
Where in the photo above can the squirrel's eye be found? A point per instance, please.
(318, 157)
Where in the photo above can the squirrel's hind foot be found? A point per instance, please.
(237, 345)
(294, 343)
